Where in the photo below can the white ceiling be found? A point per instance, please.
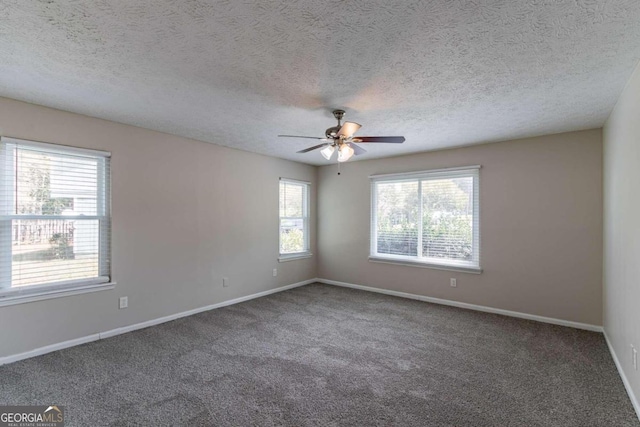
(237, 73)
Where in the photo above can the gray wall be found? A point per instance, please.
(185, 214)
(622, 229)
(540, 225)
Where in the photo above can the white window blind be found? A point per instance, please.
(294, 217)
(430, 218)
(54, 216)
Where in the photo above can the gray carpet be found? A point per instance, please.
(321, 355)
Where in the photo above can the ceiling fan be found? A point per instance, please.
(341, 138)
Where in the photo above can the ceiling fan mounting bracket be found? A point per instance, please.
(338, 114)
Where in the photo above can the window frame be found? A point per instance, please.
(306, 209)
(472, 266)
(15, 295)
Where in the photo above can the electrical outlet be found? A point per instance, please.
(453, 283)
(123, 303)
(225, 282)
(634, 357)
(275, 272)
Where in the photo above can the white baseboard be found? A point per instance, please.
(48, 349)
(475, 307)
(113, 332)
(625, 381)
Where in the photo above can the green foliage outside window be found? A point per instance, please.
(447, 215)
(291, 240)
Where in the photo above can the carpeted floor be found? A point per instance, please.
(322, 355)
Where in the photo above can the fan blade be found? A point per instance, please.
(385, 139)
(348, 129)
(306, 150)
(356, 149)
(297, 136)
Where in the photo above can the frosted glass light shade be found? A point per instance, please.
(327, 151)
(345, 153)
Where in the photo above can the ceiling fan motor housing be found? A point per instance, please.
(332, 132)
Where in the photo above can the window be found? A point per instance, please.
(427, 218)
(54, 217)
(294, 219)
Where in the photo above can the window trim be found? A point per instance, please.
(473, 266)
(45, 292)
(60, 148)
(28, 293)
(394, 259)
(306, 253)
(294, 256)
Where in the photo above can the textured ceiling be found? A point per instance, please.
(237, 73)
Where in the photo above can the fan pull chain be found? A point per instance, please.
(339, 163)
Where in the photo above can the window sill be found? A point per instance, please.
(293, 257)
(22, 297)
(420, 264)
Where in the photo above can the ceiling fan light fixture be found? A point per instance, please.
(345, 153)
(327, 151)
